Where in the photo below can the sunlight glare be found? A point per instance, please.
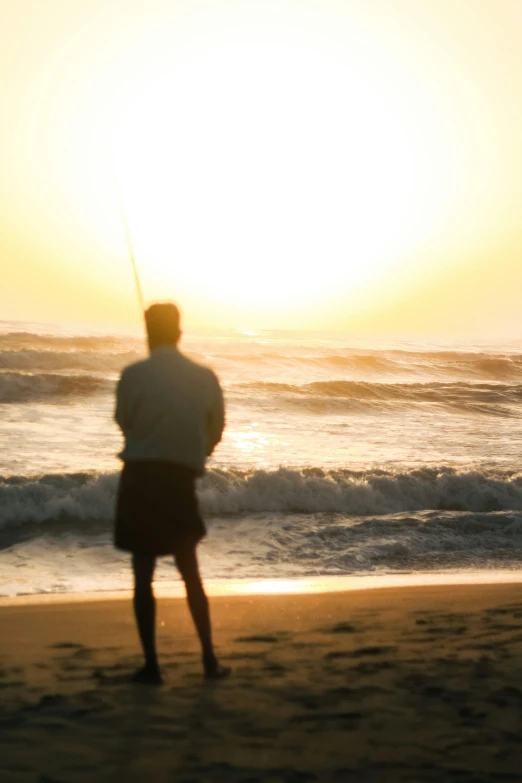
(267, 173)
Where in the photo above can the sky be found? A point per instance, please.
(349, 165)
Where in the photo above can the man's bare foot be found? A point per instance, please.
(148, 675)
(217, 672)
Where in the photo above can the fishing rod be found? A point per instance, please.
(139, 289)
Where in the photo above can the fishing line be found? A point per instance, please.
(139, 290)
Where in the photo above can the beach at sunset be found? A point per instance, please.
(260, 357)
(398, 684)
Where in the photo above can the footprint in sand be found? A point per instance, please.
(116, 675)
(360, 652)
(12, 684)
(456, 630)
(327, 716)
(372, 668)
(262, 638)
(504, 627)
(342, 628)
(275, 668)
(48, 701)
(83, 652)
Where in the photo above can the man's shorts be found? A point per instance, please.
(157, 510)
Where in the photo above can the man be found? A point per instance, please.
(171, 412)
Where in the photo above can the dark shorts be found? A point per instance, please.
(157, 509)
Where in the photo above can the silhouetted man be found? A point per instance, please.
(171, 412)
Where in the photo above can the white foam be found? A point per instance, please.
(286, 491)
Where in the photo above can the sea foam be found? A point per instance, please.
(86, 496)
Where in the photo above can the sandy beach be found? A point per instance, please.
(397, 684)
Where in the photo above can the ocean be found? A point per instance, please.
(343, 455)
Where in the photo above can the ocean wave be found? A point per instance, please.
(86, 497)
(321, 397)
(357, 362)
(31, 360)
(16, 340)
(33, 351)
(458, 393)
(437, 364)
(17, 387)
(477, 366)
(405, 542)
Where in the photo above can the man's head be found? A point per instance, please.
(163, 324)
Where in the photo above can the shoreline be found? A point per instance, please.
(277, 586)
(326, 688)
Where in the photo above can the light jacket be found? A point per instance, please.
(169, 408)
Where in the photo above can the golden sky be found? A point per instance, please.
(336, 164)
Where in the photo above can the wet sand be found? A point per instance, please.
(398, 684)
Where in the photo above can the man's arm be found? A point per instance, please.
(215, 417)
(119, 413)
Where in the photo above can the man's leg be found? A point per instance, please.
(187, 564)
(145, 612)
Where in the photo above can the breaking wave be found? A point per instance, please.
(322, 394)
(87, 496)
(13, 340)
(33, 351)
(297, 522)
(321, 397)
(30, 360)
(16, 387)
(437, 364)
